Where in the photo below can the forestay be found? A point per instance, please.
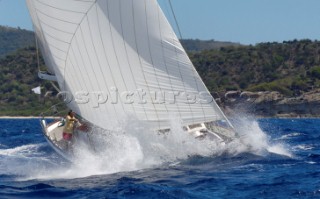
(121, 58)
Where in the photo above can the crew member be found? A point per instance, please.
(69, 126)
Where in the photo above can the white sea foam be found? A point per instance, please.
(21, 151)
(291, 135)
(304, 147)
(137, 149)
(254, 140)
(132, 146)
(23, 160)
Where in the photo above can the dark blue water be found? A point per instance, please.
(293, 171)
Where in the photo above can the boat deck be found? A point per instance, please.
(54, 133)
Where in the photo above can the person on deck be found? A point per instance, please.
(69, 126)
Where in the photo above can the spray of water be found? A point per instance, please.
(252, 139)
(132, 146)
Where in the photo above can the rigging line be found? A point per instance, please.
(175, 19)
(38, 60)
(179, 30)
(180, 67)
(193, 71)
(37, 50)
(45, 47)
(55, 87)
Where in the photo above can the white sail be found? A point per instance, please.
(121, 49)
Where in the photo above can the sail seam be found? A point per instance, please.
(53, 46)
(94, 46)
(65, 10)
(194, 77)
(79, 69)
(57, 39)
(57, 57)
(72, 77)
(141, 66)
(150, 53)
(75, 32)
(83, 63)
(164, 58)
(90, 61)
(55, 28)
(105, 54)
(181, 76)
(55, 17)
(127, 56)
(114, 49)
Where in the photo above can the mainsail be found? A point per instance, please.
(121, 58)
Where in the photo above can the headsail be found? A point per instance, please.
(121, 57)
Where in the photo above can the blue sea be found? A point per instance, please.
(277, 158)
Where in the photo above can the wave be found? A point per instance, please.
(139, 148)
(22, 151)
(291, 135)
(25, 162)
(304, 147)
(131, 146)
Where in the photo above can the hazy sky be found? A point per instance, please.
(244, 21)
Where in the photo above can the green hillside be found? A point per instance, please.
(18, 75)
(12, 39)
(290, 67)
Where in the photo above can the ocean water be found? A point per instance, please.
(275, 159)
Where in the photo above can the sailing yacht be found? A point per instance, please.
(121, 59)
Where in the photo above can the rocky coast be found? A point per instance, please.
(270, 104)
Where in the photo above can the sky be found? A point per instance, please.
(242, 21)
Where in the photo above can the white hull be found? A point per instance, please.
(54, 141)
